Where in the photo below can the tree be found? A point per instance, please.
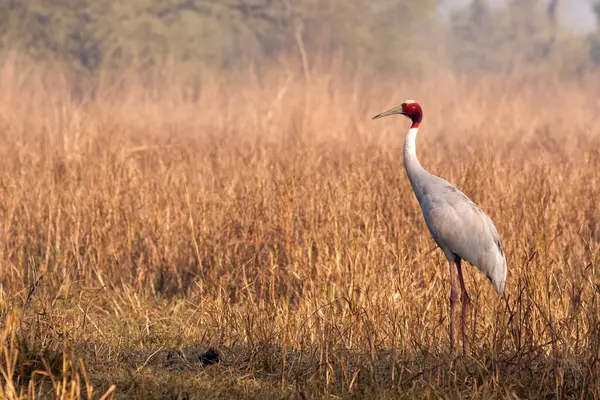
(518, 36)
(594, 39)
(88, 34)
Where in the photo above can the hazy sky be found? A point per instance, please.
(574, 14)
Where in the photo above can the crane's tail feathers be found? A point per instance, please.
(498, 276)
(499, 287)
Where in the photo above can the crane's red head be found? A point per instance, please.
(409, 108)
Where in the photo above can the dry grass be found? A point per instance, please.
(271, 219)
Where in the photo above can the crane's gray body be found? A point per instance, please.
(457, 225)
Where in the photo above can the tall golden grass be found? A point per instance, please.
(267, 216)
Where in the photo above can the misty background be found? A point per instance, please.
(382, 36)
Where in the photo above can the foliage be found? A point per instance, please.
(594, 39)
(87, 34)
(502, 40)
(385, 35)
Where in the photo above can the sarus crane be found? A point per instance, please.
(457, 225)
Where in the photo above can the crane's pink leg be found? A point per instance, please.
(465, 307)
(453, 299)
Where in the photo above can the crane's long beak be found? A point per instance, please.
(395, 110)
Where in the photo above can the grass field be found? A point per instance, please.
(266, 217)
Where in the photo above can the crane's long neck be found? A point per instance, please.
(416, 173)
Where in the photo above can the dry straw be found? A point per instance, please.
(268, 217)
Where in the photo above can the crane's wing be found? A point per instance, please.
(459, 227)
